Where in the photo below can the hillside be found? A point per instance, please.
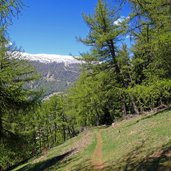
(57, 72)
(55, 77)
(141, 143)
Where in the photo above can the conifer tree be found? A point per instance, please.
(14, 72)
(151, 29)
(103, 35)
(15, 96)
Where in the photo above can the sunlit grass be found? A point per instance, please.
(143, 136)
(140, 143)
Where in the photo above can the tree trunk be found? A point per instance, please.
(55, 137)
(98, 117)
(64, 133)
(47, 135)
(113, 54)
(134, 106)
(1, 127)
(123, 106)
(40, 140)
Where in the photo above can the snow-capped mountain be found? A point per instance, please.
(50, 58)
(57, 72)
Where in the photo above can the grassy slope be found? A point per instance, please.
(141, 143)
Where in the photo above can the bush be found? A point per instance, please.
(150, 96)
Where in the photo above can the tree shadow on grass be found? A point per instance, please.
(77, 164)
(158, 160)
(40, 166)
(84, 166)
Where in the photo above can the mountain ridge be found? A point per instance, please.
(50, 58)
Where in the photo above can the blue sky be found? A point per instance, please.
(51, 26)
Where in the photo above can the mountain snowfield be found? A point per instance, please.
(50, 58)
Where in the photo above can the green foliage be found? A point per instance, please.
(152, 37)
(94, 100)
(14, 75)
(8, 10)
(15, 98)
(139, 143)
(103, 34)
(50, 125)
(151, 96)
(95, 95)
(112, 84)
(15, 101)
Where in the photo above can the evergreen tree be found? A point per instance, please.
(103, 38)
(8, 10)
(153, 36)
(103, 34)
(151, 59)
(15, 96)
(14, 75)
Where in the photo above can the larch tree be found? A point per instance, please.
(14, 72)
(151, 24)
(103, 38)
(16, 98)
(103, 34)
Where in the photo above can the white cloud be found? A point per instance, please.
(8, 44)
(128, 36)
(120, 20)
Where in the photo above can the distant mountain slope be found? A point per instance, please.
(142, 143)
(57, 72)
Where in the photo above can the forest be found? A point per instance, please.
(117, 80)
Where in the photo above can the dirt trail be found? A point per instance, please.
(97, 159)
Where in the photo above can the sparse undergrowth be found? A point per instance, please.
(142, 143)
